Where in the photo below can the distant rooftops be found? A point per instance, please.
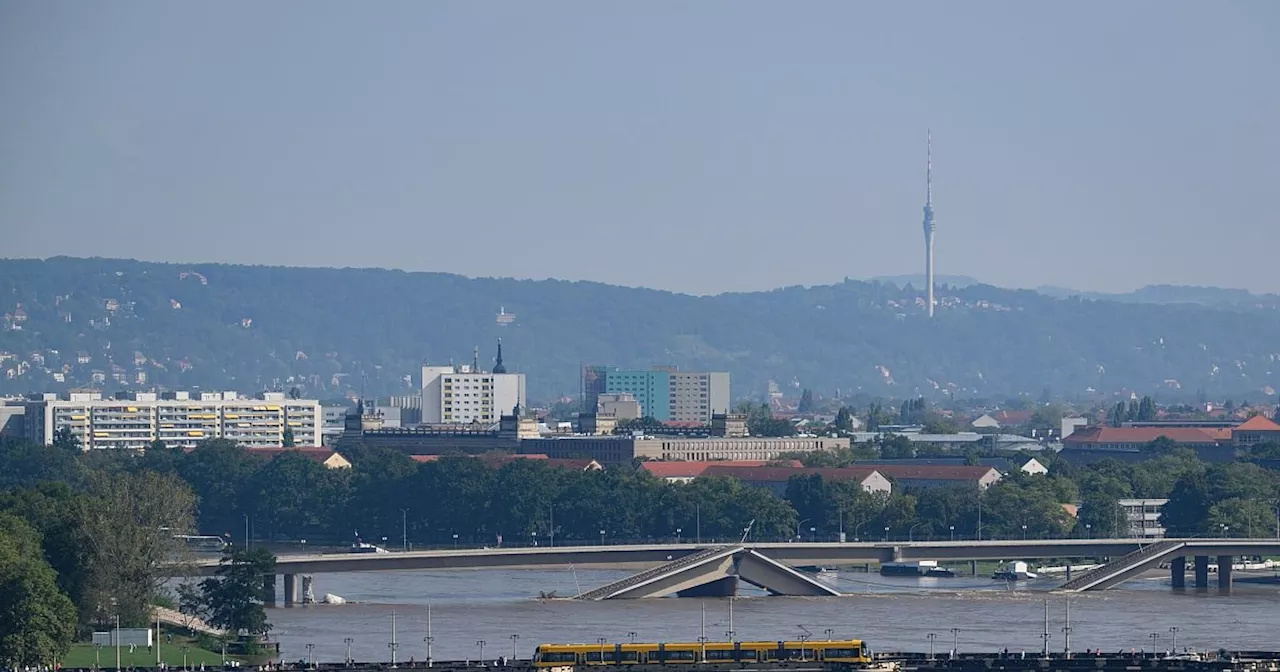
(171, 395)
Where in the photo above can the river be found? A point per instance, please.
(891, 613)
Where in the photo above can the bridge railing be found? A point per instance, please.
(1122, 563)
(666, 567)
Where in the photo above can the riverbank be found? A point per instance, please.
(172, 653)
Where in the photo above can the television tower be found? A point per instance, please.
(928, 219)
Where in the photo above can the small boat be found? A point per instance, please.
(1015, 571)
(928, 568)
(363, 547)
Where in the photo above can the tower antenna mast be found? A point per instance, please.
(928, 221)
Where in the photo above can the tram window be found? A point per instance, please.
(795, 654)
(840, 653)
(680, 655)
(720, 655)
(630, 656)
(558, 657)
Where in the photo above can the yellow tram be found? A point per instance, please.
(853, 651)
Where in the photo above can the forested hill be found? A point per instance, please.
(249, 328)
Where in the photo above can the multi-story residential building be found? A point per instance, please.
(135, 420)
(1143, 517)
(664, 393)
(468, 394)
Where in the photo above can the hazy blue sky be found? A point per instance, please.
(696, 146)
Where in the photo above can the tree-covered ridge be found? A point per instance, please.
(102, 322)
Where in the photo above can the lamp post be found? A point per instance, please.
(830, 633)
(911, 532)
(953, 532)
(697, 512)
(184, 657)
(601, 641)
(393, 644)
(1155, 642)
(1088, 530)
(677, 535)
(514, 639)
(932, 636)
(404, 529)
(455, 541)
(1024, 532)
(311, 661)
(347, 641)
(886, 533)
(813, 534)
(602, 537)
(118, 641)
(1174, 631)
(429, 639)
(798, 524)
(632, 636)
(480, 645)
(955, 642)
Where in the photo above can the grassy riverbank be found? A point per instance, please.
(85, 654)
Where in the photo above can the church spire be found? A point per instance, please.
(498, 366)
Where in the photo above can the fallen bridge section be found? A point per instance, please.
(713, 572)
(1174, 552)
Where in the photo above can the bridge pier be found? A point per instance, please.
(1224, 573)
(269, 589)
(290, 589)
(1178, 572)
(1202, 572)
(726, 587)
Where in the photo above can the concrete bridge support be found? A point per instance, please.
(1224, 573)
(290, 589)
(1202, 572)
(269, 587)
(1178, 572)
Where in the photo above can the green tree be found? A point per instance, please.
(1186, 514)
(1237, 517)
(296, 496)
(896, 447)
(1020, 500)
(844, 419)
(53, 510)
(37, 620)
(65, 441)
(27, 463)
(235, 596)
(287, 438)
(128, 522)
(806, 404)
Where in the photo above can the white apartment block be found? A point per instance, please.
(180, 419)
(463, 395)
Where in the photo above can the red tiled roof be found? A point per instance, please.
(1258, 423)
(1189, 435)
(935, 472)
(693, 469)
(1012, 417)
(781, 474)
